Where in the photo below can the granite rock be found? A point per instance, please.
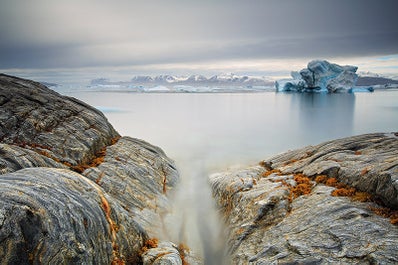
(35, 117)
(56, 216)
(72, 190)
(367, 162)
(265, 224)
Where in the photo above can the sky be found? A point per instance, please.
(122, 38)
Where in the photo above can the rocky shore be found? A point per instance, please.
(73, 191)
(333, 203)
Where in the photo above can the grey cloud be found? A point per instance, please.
(46, 33)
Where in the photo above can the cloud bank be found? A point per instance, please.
(74, 34)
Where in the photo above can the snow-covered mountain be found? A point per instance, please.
(372, 79)
(192, 83)
(219, 80)
(142, 79)
(196, 78)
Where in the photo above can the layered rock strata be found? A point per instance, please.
(72, 191)
(333, 203)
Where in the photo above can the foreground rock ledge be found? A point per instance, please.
(72, 191)
(267, 225)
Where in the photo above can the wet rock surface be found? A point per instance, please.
(287, 212)
(72, 191)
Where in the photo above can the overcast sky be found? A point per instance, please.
(194, 35)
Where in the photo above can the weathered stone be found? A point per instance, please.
(35, 117)
(50, 214)
(138, 175)
(55, 216)
(367, 162)
(166, 253)
(266, 225)
(13, 158)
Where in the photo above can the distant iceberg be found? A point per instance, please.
(322, 76)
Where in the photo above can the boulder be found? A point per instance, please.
(166, 253)
(367, 162)
(72, 190)
(56, 216)
(292, 208)
(139, 176)
(37, 118)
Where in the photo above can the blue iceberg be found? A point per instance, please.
(321, 76)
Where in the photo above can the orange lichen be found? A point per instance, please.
(240, 231)
(151, 243)
(98, 180)
(24, 144)
(43, 153)
(300, 178)
(96, 161)
(394, 218)
(387, 213)
(31, 258)
(358, 152)
(164, 184)
(303, 187)
(347, 192)
(321, 179)
(148, 244)
(114, 228)
(343, 189)
(364, 171)
(105, 206)
(362, 197)
(269, 172)
(114, 140)
(98, 158)
(382, 211)
(183, 250)
(118, 261)
(291, 161)
(332, 182)
(266, 165)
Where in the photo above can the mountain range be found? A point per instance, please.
(364, 79)
(196, 80)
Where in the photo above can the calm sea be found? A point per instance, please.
(229, 129)
(207, 133)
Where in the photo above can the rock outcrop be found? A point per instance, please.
(38, 118)
(321, 76)
(334, 203)
(72, 191)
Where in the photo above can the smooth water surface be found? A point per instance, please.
(229, 129)
(207, 133)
